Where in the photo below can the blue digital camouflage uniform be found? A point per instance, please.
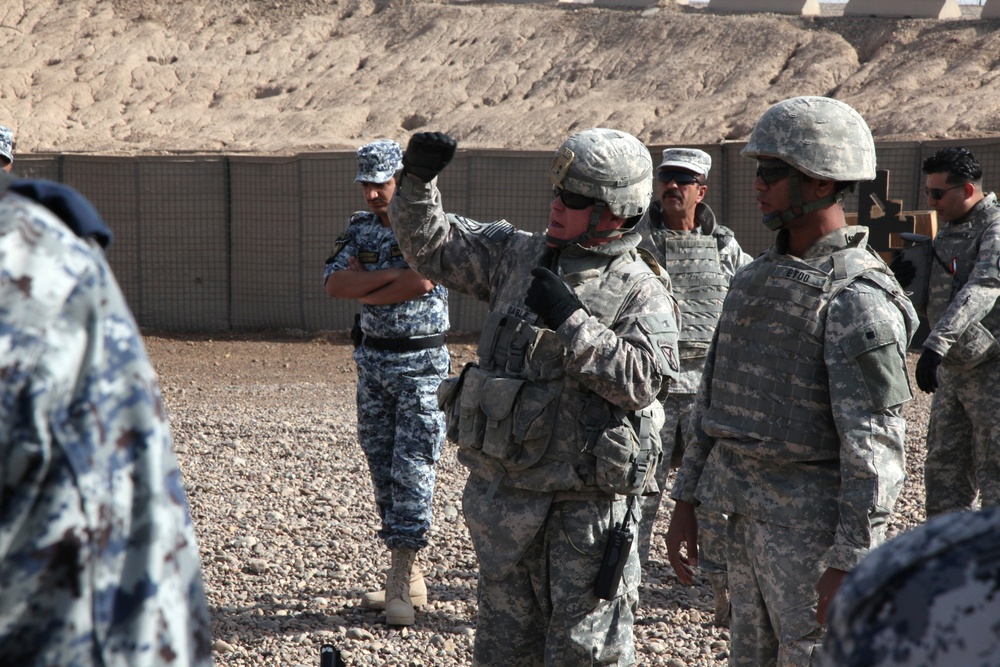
(98, 561)
(400, 428)
(800, 433)
(537, 513)
(927, 598)
(963, 435)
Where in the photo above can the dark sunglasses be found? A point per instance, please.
(681, 178)
(771, 175)
(938, 193)
(572, 200)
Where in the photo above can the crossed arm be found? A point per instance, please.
(376, 288)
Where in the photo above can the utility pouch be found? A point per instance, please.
(520, 418)
(447, 398)
(616, 551)
(625, 456)
(471, 418)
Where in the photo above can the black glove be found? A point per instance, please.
(551, 298)
(927, 367)
(904, 270)
(427, 154)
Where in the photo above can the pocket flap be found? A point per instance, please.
(499, 396)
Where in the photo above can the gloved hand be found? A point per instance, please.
(904, 270)
(427, 154)
(551, 298)
(926, 373)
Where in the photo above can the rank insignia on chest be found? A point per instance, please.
(367, 257)
(395, 251)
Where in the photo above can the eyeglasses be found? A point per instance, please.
(572, 200)
(681, 178)
(938, 193)
(771, 175)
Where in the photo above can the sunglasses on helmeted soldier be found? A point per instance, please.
(572, 200)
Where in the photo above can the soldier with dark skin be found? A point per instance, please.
(800, 428)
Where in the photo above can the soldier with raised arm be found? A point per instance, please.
(558, 421)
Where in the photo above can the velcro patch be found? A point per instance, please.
(367, 257)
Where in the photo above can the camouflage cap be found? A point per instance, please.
(927, 597)
(691, 159)
(6, 144)
(379, 161)
(820, 136)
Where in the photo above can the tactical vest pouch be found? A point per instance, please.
(624, 460)
(975, 346)
(520, 416)
(447, 398)
(471, 419)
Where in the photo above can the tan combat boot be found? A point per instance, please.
(398, 607)
(418, 592)
(723, 607)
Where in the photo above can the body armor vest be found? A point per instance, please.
(516, 416)
(699, 285)
(770, 382)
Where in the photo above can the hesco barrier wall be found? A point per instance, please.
(219, 242)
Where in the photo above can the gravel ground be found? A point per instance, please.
(281, 498)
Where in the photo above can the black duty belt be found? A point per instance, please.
(404, 344)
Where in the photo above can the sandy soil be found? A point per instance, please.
(287, 76)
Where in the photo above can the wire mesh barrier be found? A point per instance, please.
(217, 242)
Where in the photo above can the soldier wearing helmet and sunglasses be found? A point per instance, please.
(800, 438)
(558, 421)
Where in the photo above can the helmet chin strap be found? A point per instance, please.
(778, 220)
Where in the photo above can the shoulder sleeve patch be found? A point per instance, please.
(883, 368)
(338, 246)
(649, 260)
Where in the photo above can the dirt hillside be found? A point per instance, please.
(286, 76)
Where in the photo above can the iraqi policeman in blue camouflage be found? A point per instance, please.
(927, 598)
(960, 362)
(800, 426)
(558, 421)
(98, 560)
(401, 357)
(701, 256)
(6, 149)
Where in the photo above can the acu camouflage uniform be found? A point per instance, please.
(801, 432)
(963, 436)
(400, 428)
(701, 264)
(98, 561)
(927, 598)
(536, 420)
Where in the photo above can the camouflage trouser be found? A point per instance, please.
(773, 571)
(544, 611)
(678, 409)
(963, 440)
(401, 432)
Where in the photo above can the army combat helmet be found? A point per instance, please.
(820, 137)
(610, 166)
